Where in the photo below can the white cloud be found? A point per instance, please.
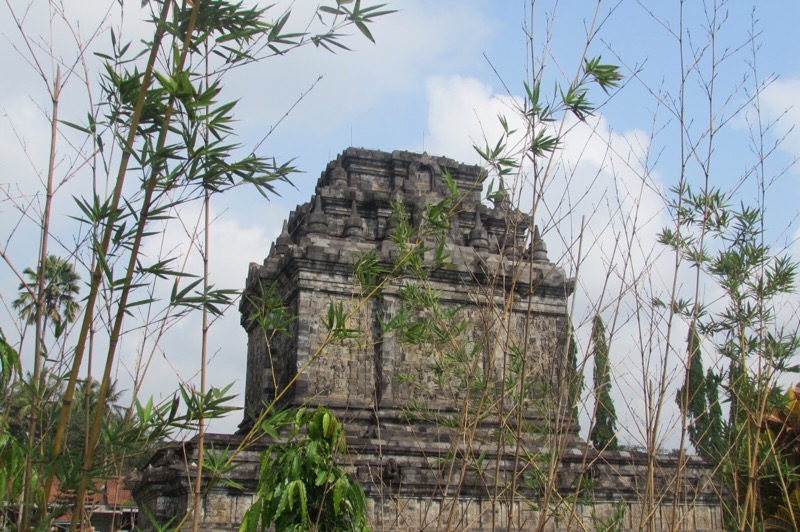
(463, 112)
(421, 38)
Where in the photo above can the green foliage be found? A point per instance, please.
(780, 489)
(301, 487)
(715, 429)
(611, 523)
(357, 14)
(336, 323)
(120, 446)
(61, 287)
(217, 464)
(269, 312)
(726, 243)
(416, 258)
(9, 365)
(212, 404)
(540, 116)
(574, 375)
(12, 456)
(604, 430)
(605, 75)
(693, 399)
(12, 449)
(159, 527)
(369, 272)
(163, 121)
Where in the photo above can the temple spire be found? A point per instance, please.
(539, 247)
(478, 237)
(353, 227)
(317, 220)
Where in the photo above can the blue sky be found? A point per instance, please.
(436, 79)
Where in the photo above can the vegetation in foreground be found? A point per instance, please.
(162, 137)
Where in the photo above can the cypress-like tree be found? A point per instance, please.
(715, 431)
(574, 378)
(691, 397)
(604, 431)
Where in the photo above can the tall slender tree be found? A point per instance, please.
(715, 428)
(58, 305)
(604, 429)
(691, 396)
(574, 373)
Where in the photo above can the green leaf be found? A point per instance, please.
(9, 362)
(322, 477)
(338, 493)
(82, 129)
(364, 30)
(331, 10)
(274, 33)
(450, 182)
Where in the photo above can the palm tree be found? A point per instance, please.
(58, 304)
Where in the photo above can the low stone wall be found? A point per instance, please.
(164, 488)
(483, 515)
(406, 487)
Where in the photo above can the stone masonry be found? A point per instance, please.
(403, 401)
(352, 214)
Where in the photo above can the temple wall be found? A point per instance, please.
(436, 430)
(410, 495)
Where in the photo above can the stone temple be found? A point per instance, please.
(462, 403)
